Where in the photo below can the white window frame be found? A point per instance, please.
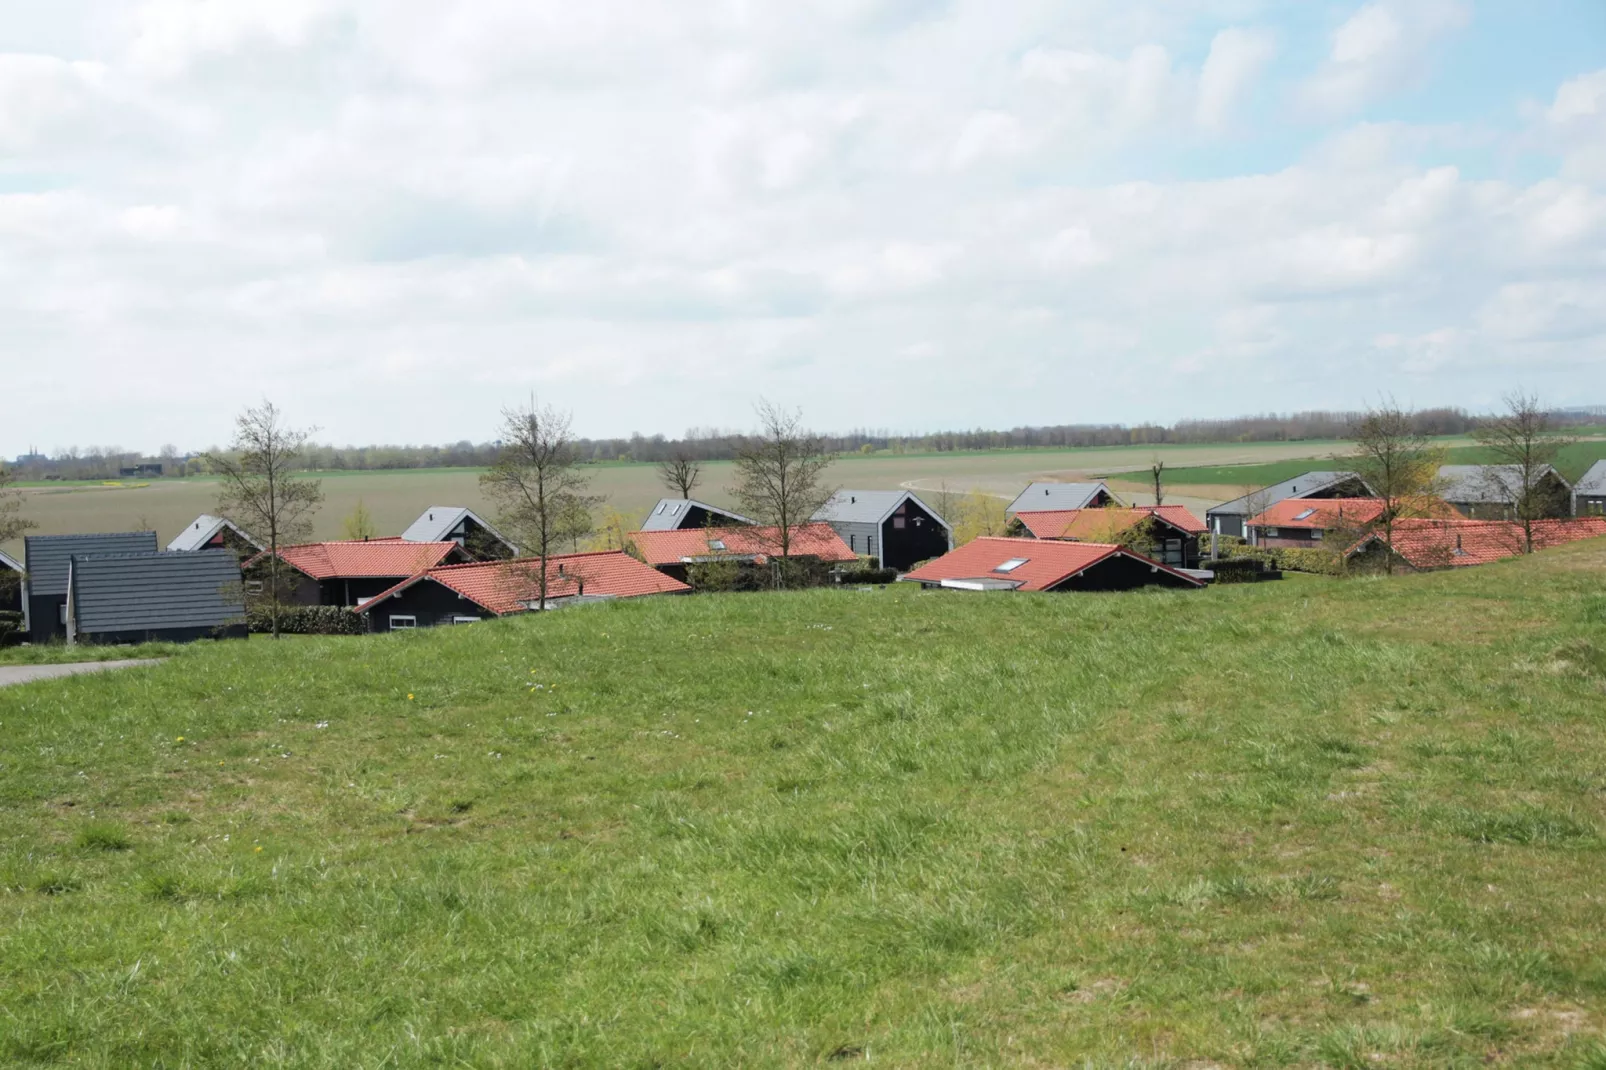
(465, 620)
(1315, 534)
(253, 586)
(410, 618)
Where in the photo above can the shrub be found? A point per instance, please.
(867, 575)
(10, 626)
(1299, 559)
(1236, 569)
(306, 620)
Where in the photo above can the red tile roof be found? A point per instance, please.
(503, 587)
(1094, 524)
(674, 547)
(1428, 544)
(1045, 563)
(1329, 513)
(359, 559)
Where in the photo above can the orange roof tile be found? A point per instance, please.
(503, 587)
(698, 544)
(1094, 524)
(1044, 564)
(1429, 544)
(375, 558)
(1329, 513)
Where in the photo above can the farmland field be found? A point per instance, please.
(395, 498)
(1317, 823)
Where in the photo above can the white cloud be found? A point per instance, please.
(1237, 57)
(437, 202)
(1381, 48)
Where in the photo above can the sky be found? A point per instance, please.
(396, 217)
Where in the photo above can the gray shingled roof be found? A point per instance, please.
(1300, 486)
(868, 506)
(156, 591)
(48, 556)
(1594, 481)
(1046, 497)
(1498, 483)
(435, 524)
(201, 531)
(669, 512)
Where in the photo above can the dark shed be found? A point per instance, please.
(155, 597)
(49, 561)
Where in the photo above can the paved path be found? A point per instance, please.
(27, 674)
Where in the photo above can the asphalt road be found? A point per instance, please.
(27, 674)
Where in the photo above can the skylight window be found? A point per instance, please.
(716, 544)
(1306, 514)
(1011, 565)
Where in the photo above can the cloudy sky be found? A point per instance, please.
(395, 216)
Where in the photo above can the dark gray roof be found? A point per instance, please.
(1594, 481)
(1300, 486)
(668, 514)
(201, 531)
(47, 556)
(868, 506)
(156, 591)
(1053, 497)
(1484, 483)
(436, 524)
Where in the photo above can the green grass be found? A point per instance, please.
(62, 654)
(1327, 823)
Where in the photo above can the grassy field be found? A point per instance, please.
(395, 498)
(1350, 824)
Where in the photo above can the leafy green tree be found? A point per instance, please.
(359, 523)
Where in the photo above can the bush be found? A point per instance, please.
(867, 575)
(1321, 562)
(306, 620)
(10, 627)
(1236, 569)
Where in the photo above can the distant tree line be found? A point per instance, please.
(708, 444)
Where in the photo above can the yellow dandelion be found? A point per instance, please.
(180, 739)
(409, 696)
(258, 850)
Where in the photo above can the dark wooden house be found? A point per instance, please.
(684, 514)
(346, 573)
(1589, 493)
(893, 526)
(1229, 518)
(1167, 533)
(48, 559)
(155, 597)
(455, 523)
(1002, 564)
(1492, 491)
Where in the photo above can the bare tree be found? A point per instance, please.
(681, 472)
(1398, 462)
(12, 522)
(780, 475)
(535, 481)
(1525, 448)
(261, 492)
(1155, 470)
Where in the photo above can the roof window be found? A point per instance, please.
(1012, 564)
(1306, 514)
(716, 544)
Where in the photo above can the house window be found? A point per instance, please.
(62, 612)
(853, 543)
(716, 544)
(1316, 535)
(465, 620)
(253, 586)
(899, 523)
(397, 622)
(1306, 514)
(1011, 565)
(1271, 533)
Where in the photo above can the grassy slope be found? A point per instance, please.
(1292, 824)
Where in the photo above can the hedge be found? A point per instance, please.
(306, 620)
(1287, 558)
(867, 575)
